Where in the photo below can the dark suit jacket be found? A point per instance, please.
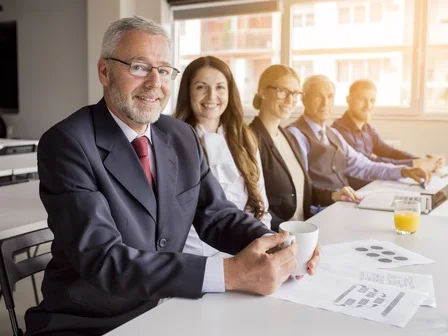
(280, 189)
(117, 246)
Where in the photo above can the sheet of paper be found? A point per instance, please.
(442, 172)
(371, 253)
(414, 282)
(376, 302)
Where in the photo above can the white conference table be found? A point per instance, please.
(21, 209)
(16, 142)
(16, 164)
(241, 314)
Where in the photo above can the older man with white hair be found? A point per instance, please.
(328, 157)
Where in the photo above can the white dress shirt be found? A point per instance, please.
(231, 180)
(131, 135)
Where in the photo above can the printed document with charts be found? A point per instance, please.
(364, 291)
(386, 304)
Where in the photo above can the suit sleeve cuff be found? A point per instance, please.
(214, 275)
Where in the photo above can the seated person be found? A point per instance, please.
(210, 102)
(356, 129)
(328, 157)
(288, 186)
(122, 188)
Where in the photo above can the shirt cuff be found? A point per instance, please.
(396, 173)
(214, 275)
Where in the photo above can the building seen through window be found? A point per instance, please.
(343, 39)
(247, 43)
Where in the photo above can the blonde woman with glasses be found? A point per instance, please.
(288, 187)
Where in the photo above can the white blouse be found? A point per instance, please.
(225, 171)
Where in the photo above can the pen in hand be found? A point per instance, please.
(422, 183)
(348, 199)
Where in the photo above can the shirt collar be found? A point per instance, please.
(347, 121)
(200, 130)
(315, 127)
(129, 132)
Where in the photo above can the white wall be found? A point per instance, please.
(52, 62)
(100, 13)
(419, 137)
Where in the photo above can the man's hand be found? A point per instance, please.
(430, 162)
(256, 271)
(345, 194)
(417, 174)
(440, 161)
(312, 264)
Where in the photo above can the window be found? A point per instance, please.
(303, 68)
(359, 14)
(401, 45)
(297, 20)
(343, 71)
(244, 42)
(309, 20)
(436, 86)
(374, 69)
(376, 11)
(302, 20)
(344, 15)
(360, 11)
(359, 48)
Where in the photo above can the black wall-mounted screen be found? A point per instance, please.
(9, 83)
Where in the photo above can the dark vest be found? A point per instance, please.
(326, 163)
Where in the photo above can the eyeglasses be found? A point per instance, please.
(141, 70)
(283, 93)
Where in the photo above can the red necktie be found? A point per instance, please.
(141, 145)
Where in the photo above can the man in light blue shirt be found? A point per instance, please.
(328, 157)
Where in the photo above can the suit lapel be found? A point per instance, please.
(264, 133)
(297, 153)
(166, 165)
(122, 162)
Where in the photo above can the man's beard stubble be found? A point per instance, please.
(126, 107)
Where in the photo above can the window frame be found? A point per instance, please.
(416, 109)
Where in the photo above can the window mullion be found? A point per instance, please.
(418, 61)
(285, 33)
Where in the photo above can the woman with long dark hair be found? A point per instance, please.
(210, 102)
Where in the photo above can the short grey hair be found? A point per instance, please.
(310, 81)
(116, 29)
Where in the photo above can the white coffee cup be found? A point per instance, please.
(305, 235)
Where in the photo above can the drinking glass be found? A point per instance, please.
(407, 216)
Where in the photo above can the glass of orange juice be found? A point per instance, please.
(407, 216)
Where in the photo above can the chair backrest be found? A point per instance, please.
(11, 272)
(3, 128)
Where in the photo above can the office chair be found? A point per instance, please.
(3, 129)
(11, 272)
